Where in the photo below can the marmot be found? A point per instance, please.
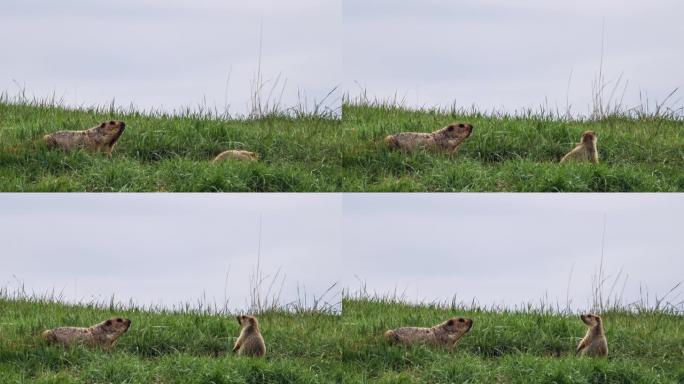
(447, 139)
(100, 138)
(445, 334)
(103, 334)
(250, 342)
(594, 342)
(585, 150)
(236, 154)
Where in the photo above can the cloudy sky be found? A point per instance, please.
(495, 54)
(507, 55)
(167, 249)
(165, 54)
(511, 248)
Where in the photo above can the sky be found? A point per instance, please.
(497, 249)
(494, 54)
(170, 54)
(508, 56)
(511, 249)
(167, 249)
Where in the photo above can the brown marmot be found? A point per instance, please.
(250, 342)
(445, 334)
(446, 140)
(103, 334)
(236, 154)
(101, 138)
(594, 342)
(585, 150)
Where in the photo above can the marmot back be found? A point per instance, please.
(445, 334)
(103, 334)
(250, 342)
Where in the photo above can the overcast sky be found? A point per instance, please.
(165, 249)
(511, 248)
(508, 55)
(165, 54)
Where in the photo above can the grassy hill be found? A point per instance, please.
(510, 347)
(507, 153)
(312, 153)
(168, 153)
(167, 347)
(307, 347)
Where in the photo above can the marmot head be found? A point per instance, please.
(589, 137)
(246, 321)
(116, 325)
(458, 130)
(459, 325)
(111, 130)
(252, 155)
(591, 319)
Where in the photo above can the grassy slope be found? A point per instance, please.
(168, 153)
(511, 347)
(512, 154)
(315, 154)
(317, 348)
(166, 348)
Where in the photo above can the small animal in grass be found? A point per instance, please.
(103, 334)
(445, 334)
(250, 342)
(445, 140)
(586, 150)
(101, 138)
(236, 154)
(594, 342)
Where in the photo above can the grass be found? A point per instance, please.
(166, 347)
(511, 153)
(168, 153)
(510, 347)
(317, 153)
(194, 346)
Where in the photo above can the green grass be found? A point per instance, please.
(166, 347)
(314, 347)
(512, 153)
(510, 347)
(166, 153)
(314, 153)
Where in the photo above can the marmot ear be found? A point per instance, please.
(102, 125)
(451, 128)
(108, 322)
(461, 125)
(450, 322)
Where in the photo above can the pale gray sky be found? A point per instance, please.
(497, 248)
(165, 54)
(511, 248)
(495, 54)
(507, 55)
(168, 248)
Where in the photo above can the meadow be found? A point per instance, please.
(168, 153)
(321, 153)
(504, 346)
(190, 346)
(512, 153)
